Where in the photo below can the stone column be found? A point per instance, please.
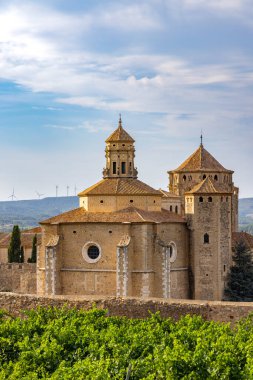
(122, 267)
(166, 272)
(118, 277)
(53, 256)
(46, 270)
(125, 271)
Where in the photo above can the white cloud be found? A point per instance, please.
(30, 56)
(92, 127)
(217, 4)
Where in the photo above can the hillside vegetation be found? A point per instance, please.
(29, 213)
(70, 344)
(246, 215)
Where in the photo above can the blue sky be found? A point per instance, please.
(171, 67)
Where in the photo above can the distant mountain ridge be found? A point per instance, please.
(28, 213)
(246, 215)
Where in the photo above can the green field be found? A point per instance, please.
(71, 344)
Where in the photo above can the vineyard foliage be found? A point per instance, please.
(71, 344)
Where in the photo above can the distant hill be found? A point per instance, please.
(30, 212)
(246, 215)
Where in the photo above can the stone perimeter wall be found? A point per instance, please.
(18, 278)
(15, 304)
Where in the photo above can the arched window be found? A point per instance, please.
(184, 178)
(206, 238)
(210, 199)
(204, 176)
(216, 177)
(171, 208)
(176, 209)
(201, 199)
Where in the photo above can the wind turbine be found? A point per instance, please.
(12, 196)
(39, 195)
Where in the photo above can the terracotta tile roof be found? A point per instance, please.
(2, 235)
(208, 186)
(119, 135)
(244, 236)
(4, 242)
(201, 160)
(26, 240)
(167, 194)
(128, 215)
(35, 230)
(120, 186)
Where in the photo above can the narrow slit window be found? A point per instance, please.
(123, 167)
(176, 209)
(201, 199)
(206, 238)
(114, 167)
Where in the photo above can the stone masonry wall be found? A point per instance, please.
(15, 304)
(19, 278)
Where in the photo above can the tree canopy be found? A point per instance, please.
(240, 278)
(33, 257)
(15, 251)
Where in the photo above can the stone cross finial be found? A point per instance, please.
(201, 139)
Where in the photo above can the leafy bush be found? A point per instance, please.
(69, 344)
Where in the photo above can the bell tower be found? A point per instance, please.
(119, 154)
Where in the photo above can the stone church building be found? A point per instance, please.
(128, 239)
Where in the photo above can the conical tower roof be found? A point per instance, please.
(119, 134)
(201, 160)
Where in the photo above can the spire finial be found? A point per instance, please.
(120, 121)
(201, 139)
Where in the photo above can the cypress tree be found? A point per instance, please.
(21, 255)
(240, 278)
(33, 257)
(14, 249)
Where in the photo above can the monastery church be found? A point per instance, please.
(128, 239)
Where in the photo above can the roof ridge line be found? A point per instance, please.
(137, 211)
